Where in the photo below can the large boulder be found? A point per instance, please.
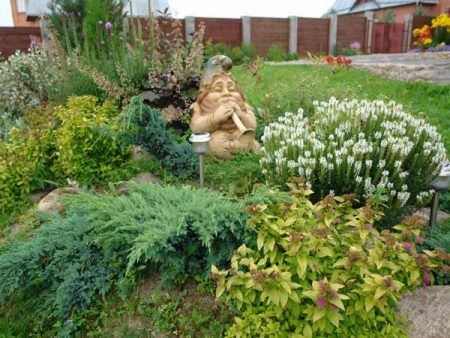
(52, 201)
(428, 309)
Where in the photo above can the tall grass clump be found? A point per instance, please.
(361, 147)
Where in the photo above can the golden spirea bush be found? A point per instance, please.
(323, 270)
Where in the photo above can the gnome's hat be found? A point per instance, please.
(216, 64)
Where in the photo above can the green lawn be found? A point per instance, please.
(278, 89)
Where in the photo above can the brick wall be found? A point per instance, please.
(351, 29)
(312, 35)
(228, 31)
(266, 32)
(13, 38)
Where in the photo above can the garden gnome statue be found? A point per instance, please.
(221, 110)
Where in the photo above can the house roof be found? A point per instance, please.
(351, 6)
(37, 8)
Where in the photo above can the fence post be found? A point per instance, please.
(333, 33)
(369, 16)
(189, 27)
(246, 29)
(293, 38)
(407, 32)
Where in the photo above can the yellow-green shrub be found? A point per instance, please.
(25, 159)
(88, 149)
(323, 270)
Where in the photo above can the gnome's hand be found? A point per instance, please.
(223, 113)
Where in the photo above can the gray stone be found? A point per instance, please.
(123, 188)
(149, 96)
(425, 213)
(138, 154)
(52, 201)
(37, 196)
(428, 310)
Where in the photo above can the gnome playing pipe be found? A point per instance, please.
(221, 110)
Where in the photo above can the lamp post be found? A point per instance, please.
(440, 184)
(200, 144)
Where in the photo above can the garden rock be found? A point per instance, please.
(428, 309)
(138, 154)
(425, 213)
(52, 201)
(37, 196)
(142, 178)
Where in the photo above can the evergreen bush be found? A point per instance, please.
(179, 231)
(144, 126)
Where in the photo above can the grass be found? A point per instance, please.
(278, 89)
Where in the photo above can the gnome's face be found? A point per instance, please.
(222, 90)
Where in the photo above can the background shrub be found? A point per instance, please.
(144, 126)
(358, 147)
(235, 177)
(26, 160)
(323, 270)
(90, 150)
(25, 79)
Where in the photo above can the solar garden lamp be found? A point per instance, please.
(200, 144)
(440, 184)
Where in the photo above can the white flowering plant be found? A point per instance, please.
(25, 79)
(355, 146)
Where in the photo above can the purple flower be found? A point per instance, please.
(369, 226)
(356, 46)
(108, 25)
(321, 303)
(69, 322)
(321, 282)
(408, 246)
(319, 216)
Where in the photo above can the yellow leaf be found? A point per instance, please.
(338, 303)
(318, 314)
(369, 303)
(379, 293)
(302, 263)
(307, 331)
(260, 241)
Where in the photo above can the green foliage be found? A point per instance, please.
(90, 150)
(60, 267)
(63, 10)
(235, 177)
(444, 202)
(323, 270)
(179, 231)
(276, 53)
(239, 55)
(358, 147)
(389, 17)
(439, 237)
(26, 80)
(336, 50)
(25, 160)
(144, 126)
